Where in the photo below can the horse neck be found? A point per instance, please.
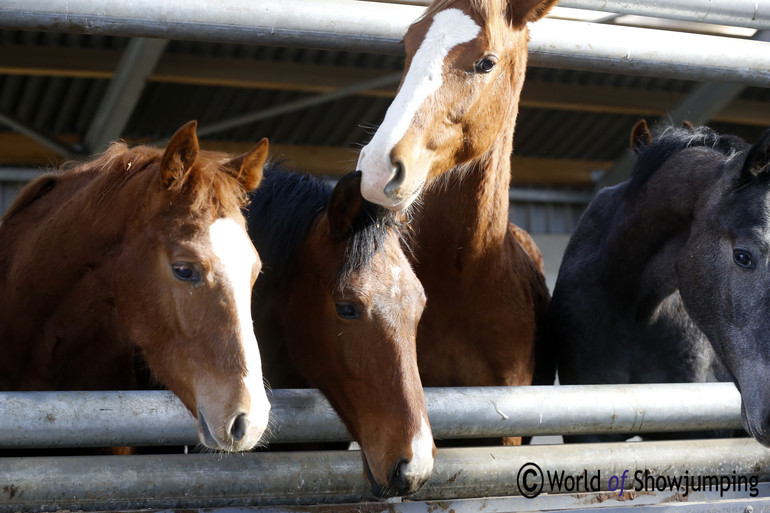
(466, 210)
(77, 286)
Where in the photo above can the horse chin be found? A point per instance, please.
(753, 427)
(379, 491)
(205, 436)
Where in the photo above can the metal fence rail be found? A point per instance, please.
(379, 27)
(737, 13)
(213, 480)
(95, 419)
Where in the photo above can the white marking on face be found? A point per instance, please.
(233, 248)
(449, 28)
(422, 453)
(395, 288)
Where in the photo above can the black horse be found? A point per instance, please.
(667, 276)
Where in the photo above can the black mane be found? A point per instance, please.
(282, 211)
(672, 140)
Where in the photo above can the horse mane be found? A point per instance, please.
(673, 139)
(203, 189)
(284, 208)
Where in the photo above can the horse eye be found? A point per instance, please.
(185, 272)
(348, 310)
(486, 64)
(743, 258)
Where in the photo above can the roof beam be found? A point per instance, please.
(120, 99)
(18, 150)
(302, 103)
(49, 143)
(310, 78)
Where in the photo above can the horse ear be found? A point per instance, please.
(640, 136)
(249, 165)
(520, 12)
(345, 204)
(180, 155)
(758, 158)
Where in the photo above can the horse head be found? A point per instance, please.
(189, 307)
(361, 303)
(724, 274)
(465, 65)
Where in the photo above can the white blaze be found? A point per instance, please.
(233, 248)
(422, 453)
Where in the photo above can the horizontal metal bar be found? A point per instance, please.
(594, 502)
(379, 27)
(332, 24)
(292, 478)
(638, 51)
(738, 13)
(95, 419)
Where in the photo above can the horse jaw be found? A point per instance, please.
(396, 184)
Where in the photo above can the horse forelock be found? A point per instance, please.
(208, 187)
(211, 187)
(285, 208)
(368, 236)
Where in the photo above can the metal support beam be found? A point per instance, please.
(97, 419)
(120, 99)
(33, 134)
(738, 13)
(303, 103)
(379, 27)
(294, 478)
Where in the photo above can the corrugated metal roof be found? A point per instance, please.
(585, 131)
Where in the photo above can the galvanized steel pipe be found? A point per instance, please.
(255, 479)
(379, 27)
(739, 13)
(95, 419)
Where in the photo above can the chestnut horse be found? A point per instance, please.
(666, 279)
(142, 252)
(339, 300)
(451, 126)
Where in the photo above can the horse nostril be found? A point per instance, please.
(397, 480)
(239, 426)
(395, 183)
